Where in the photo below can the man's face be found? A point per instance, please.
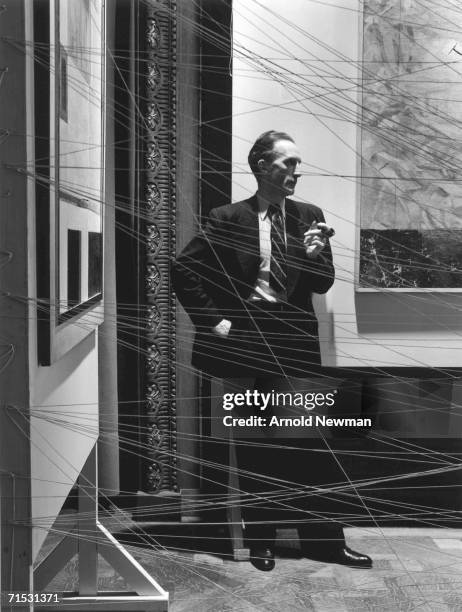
(281, 172)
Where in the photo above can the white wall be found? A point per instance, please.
(287, 59)
(63, 430)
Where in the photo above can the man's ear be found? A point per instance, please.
(262, 166)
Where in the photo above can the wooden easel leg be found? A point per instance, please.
(87, 530)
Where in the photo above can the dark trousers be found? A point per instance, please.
(288, 483)
(283, 482)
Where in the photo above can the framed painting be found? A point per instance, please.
(69, 122)
(411, 134)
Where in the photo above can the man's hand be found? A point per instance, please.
(222, 329)
(315, 239)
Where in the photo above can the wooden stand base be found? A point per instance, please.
(88, 539)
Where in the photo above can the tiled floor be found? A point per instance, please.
(414, 569)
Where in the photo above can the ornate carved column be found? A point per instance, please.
(159, 171)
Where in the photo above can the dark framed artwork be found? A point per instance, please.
(69, 105)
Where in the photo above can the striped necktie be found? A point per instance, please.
(278, 265)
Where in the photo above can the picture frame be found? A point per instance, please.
(69, 163)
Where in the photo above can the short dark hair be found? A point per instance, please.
(263, 148)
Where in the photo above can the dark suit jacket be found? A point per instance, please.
(217, 271)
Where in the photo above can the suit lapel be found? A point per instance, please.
(295, 251)
(248, 252)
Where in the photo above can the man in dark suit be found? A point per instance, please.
(246, 281)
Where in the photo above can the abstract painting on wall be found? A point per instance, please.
(411, 146)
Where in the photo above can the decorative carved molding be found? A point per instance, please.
(154, 477)
(153, 198)
(153, 240)
(153, 157)
(153, 280)
(153, 320)
(153, 359)
(153, 398)
(153, 35)
(153, 117)
(159, 214)
(154, 79)
(154, 435)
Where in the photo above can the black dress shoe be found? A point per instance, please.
(262, 559)
(346, 556)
